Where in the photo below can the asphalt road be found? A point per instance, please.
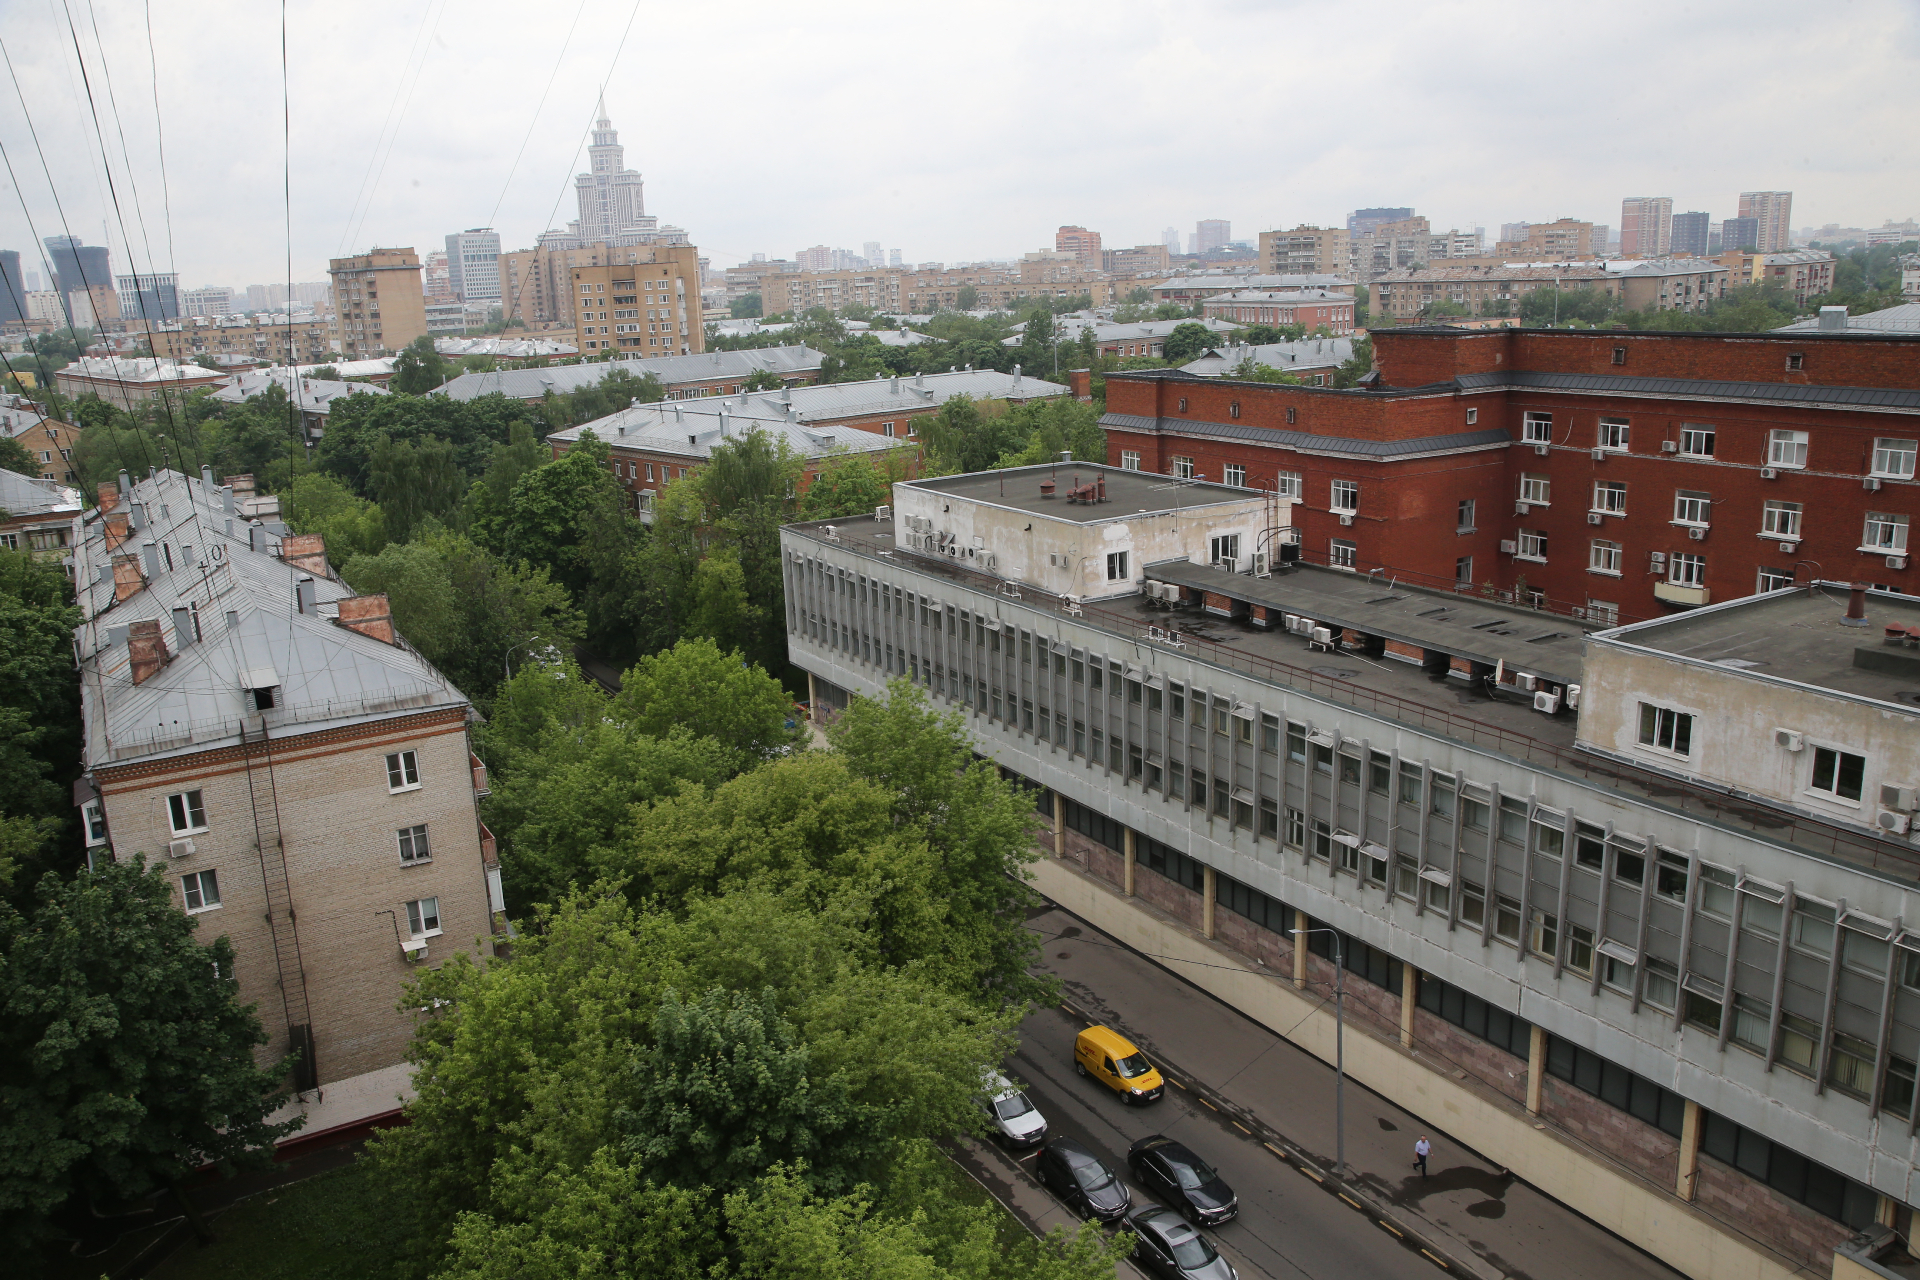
(1289, 1226)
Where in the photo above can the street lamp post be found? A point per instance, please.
(1339, 1046)
(506, 662)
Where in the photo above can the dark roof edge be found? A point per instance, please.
(1770, 335)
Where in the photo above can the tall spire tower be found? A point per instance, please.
(610, 196)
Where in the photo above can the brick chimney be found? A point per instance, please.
(128, 581)
(117, 530)
(242, 485)
(146, 650)
(107, 494)
(306, 552)
(369, 615)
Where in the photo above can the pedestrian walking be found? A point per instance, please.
(1421, 1150)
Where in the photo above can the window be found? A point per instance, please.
(1796, 361)
(1533, 545)
(1684, 569)
(1289, 484)
(1781, 520)
(1613, 434)
(1663, 983)
(1616, 1086)
(1473, 416)
(1868, 955)
(1894, 458)
(423, 917)
(413, 844)
(1129, 459)
(1506, 919)
(1234, 474)
(1666, 729)
(1463, 571)
(185, 811)
(1604, 612)
(1296, 829)
(1696, 440)
(1345, 496)
(1813, 927)
(1545, 937)
(1182, 468)
(1610, 497)
(1224, 548)
(1341, 554)
(1580, 949)
(1716, 891)
(200, 890)
(1233, 409)
(1604, 556)
(1534, 489)
(93, 816)
(1619, 355)
(1885, 532)
(1799, 1039)
(1838, 773)
(1464, 521)
(1787, 448)
(1410, 783)
(1691, 507)
(1380, 774)
(1537, 428)
(1617, 974)
(403, 771)
(1116, 566)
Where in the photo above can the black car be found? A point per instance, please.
(1174, 1173)
(1172, 1248)
(1082, 1179)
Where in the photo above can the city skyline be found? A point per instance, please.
(390, 172)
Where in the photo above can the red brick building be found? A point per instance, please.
(1612, 472)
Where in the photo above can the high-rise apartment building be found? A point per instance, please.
(1081, 243)
(818, 258)
(1740, 233)
(212, 300)
(871, 252)
(83, 278)
(13, 289)
(1690, 233)
(1561, 240)
(1363, 222)
(473, 264)
(1646, 226)
(436, 279)
(1772, 212)
(643, 299)
(149, 297)
(1306, 251)
(1211, 233)
(611, 196)
(378, 302)
(1171, 238)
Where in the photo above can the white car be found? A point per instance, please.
(1017, 1122)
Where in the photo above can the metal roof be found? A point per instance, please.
(315, 395)
(1894, 400)
(531, 384)
(249, 620)
(1308, 353)
(1901, 319)
(1306, 442)
(31, 496)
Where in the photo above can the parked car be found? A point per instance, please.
(1016, 1122)
(1082, 1180)
(1171, 1171)
(1174, 1249)
(1110, 1058)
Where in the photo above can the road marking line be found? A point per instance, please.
(1242, 1128)
(1311, 1174)
(1175, 1083)
(1355, 1203)
(1438, 1261)
(1277, 1151)
(1390, 1227)
(1203, 1102)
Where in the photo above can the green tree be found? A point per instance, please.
(848, 485)
(966, 298)
(419, 368)
(490, 500)
(356, 424)
(1568, 306)
(125, 1060)
(745, 308)
(1251, 370)
(14, 456)
(1186, 342)
(351, 525)
(762, 380)
(414, 481)
(711, 693)
(39, 715)
(1355, 366)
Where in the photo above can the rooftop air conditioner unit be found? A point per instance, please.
(1323, 635)
(1790, 739)
(1872, 485)
(883, 512)
(1299, 625)
(1896, 562)
(1346, 519)
(179, 848)
(1594, 517)
(989, 560)
(1668, 446)
(1260, 563)
(1509, 547)
(1902, 798)
(1243, 564)
(1547, 703)
(1525, 683)
(1697, 533)
(1573, 697)
(1769, 473)
(1896, 823)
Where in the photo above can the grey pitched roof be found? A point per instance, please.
(1308, 353)
(326, 674)
(31, 496)
(1883, 399)
(531, 384)
(1902, 318)
(316, 395)
(1307, 442)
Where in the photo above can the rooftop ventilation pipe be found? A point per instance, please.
(226, 500)
(304, 594)
(1856, 605)
(150, 559)
(126, 482)
(183, 626)
(256, 535)
(206, 476)
(139, 510)
(1833, 319)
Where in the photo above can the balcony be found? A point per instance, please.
(479, 775)
(1674, 593)
(489, 854)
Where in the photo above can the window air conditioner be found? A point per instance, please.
(1896, 562)
(179, 848)
(1697, 533)
(1872, 485)
(1902, 798)
(1668, 446)
(1525, 683)
(1346, 519)
(1769, 473)
(1509, 547)
(1789, 739)
(1547, 703)
(1595, 517)
(1896, 823)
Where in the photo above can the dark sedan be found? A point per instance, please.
(1172, 1249)
(1172, 1172)
(1082, 1180)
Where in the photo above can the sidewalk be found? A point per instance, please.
(1470, 1205)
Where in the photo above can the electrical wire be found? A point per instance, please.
(383, 143)
(534, 120)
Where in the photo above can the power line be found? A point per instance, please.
(534, 120)
(409, 81)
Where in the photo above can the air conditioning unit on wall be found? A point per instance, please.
(1595, 517)
(180, 848)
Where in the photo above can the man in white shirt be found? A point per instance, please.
(1421, 1150)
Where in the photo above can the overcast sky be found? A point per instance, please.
(970, 132)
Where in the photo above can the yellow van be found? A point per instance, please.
(1110, 1058)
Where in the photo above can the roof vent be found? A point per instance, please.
(1833, 319)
